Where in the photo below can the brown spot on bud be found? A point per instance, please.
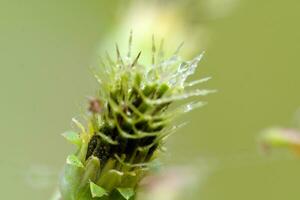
(95, 105)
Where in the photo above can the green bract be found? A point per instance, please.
(128, 124)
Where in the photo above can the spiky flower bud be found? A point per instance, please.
(128, 123)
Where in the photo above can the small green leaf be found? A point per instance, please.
(74, 160)
(127, 193)
(97, 191)
(72, 137)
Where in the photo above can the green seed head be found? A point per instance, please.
(128, 123)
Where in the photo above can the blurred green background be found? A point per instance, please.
(252, 47)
